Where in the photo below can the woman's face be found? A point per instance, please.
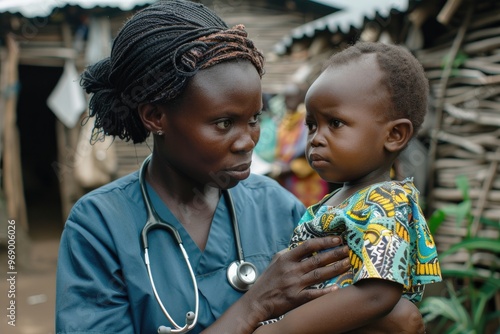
(212, 129)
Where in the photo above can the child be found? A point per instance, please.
(362, 111)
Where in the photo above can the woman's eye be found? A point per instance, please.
(224, 124)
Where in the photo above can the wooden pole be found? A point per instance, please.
(448, 11)
(12, 169)
(67, 140)
(457, 43)
(13, 181)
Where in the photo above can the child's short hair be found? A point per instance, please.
(404, 77)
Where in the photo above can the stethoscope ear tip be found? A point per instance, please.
(164, 330)
(190, 316)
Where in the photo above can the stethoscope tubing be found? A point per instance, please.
(154, 222)
(238, 279)
(186, 327)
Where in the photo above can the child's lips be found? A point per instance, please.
(316, 157)
(317, 160)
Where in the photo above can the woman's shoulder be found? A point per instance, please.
(108, 220)
(122, 190)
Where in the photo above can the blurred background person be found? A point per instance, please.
(289, 166)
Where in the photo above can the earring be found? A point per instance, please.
(159, 133)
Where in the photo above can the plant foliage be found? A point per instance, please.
(468, 307)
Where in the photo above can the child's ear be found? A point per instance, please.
(400, 131)
(151, 116)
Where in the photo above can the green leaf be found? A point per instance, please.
(435, 220)
(464, 273)
(491, 316)
(486, 291)
(460, 211)
(466, 310)
(451, 309)
(489, 222)
(474, 244)
(463, 212)
(458, 61)
(462, 183)
(461, 273)
(450, 210)
(490, 287)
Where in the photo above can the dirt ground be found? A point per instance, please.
(34, 284)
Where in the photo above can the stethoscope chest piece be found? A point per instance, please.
(241, 275)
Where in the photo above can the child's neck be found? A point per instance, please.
(350, 188)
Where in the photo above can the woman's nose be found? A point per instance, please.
(247, 140)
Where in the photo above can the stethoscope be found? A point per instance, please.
(240, 274)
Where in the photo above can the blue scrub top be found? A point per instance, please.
(102, 281)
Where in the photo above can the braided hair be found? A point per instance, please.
(154, 54)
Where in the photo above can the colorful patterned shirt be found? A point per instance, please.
(386, 232)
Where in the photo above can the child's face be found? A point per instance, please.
(347, 108)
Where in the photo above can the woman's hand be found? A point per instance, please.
(282, 286)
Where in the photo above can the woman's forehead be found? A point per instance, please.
(223, 87)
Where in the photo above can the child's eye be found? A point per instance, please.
(311, 126)
(335, 123)
(255, 119)
(224, 124)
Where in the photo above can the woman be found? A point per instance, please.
(176, 71)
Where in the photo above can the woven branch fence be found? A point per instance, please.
(463, 68)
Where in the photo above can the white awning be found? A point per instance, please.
(43, 8)
(352, 13)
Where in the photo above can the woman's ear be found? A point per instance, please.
(151, 116)
(400, 131)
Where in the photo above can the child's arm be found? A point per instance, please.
(344, 310)
(404, 318)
